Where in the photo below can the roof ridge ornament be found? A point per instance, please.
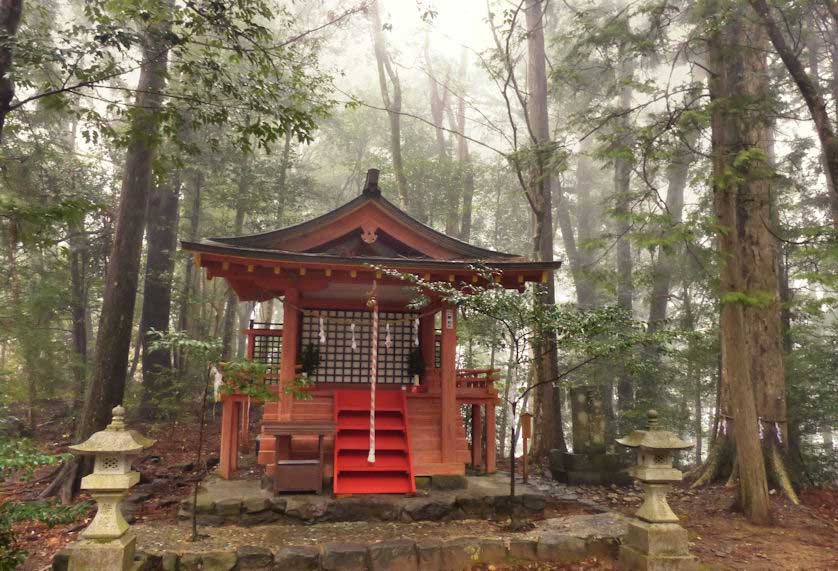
(371, 184)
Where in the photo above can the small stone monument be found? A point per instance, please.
(590, 462)
(107, 542)
(654, 540)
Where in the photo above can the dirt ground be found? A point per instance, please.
(802, 537)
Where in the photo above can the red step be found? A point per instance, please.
(385, 461)
(392, 471)
(384, 420)
(376, 483)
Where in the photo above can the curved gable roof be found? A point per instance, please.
(368, 212)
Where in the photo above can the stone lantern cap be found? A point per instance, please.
(115, 439)
(654, 437)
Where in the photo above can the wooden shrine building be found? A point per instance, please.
(327, 273)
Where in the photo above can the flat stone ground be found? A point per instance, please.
(215, 489)
(158, 537)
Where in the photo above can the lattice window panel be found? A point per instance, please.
(339, 363)
(267, 349)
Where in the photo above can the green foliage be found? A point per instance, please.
(20, 458)
(309, 359)
(748, 299)
(415, 362)
(246, 378)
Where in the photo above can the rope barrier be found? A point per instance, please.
(373, 372)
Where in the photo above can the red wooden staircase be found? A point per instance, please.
(392, 471)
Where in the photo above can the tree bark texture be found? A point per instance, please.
(752, 356)
(161, 236)
(548, 407)
(107, 385)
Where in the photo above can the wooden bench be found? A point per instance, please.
(300, 475)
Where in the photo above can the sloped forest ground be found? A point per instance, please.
(803, 537)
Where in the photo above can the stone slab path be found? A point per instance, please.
(362, 546)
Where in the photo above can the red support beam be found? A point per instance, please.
(229, 456)
(288, 362)
(449, 414)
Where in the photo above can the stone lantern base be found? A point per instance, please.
(656, 547)
(113, 555)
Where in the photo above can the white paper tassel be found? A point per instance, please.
(724, 426)
(778, 432)
(388, 341)
(322, 332)
(761, 429)
(416, 331)
(354, 343)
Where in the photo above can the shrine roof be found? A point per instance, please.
(367, 230)
(513, 263)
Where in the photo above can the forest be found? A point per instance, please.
(679, 157)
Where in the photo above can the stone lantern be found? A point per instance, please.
(654, 539)
(107, 543)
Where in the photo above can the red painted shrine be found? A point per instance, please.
(326, 272)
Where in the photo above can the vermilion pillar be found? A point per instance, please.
(269, 448)
(448, 374)
(288, 363)
(229, 456)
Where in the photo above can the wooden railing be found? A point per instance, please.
(470, 382)
(477, 378)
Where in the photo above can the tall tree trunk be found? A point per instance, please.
(808, 88)
(676, 174)
(688, 324)
(812, 45)
(231, 305)
(161, 235)
(586, 216)
(245, 309)
(107, 385)
(10, 11)
(753, 377)
(548, 409)
(463, 155)
(187, 293)
(622, 211)
(78, 310)
(392, 102)
(439, 93)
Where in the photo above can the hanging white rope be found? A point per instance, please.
(416, 331)
(388, 340)
(354, 343)
(322, 332)
(218, 380)
(373, 375)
